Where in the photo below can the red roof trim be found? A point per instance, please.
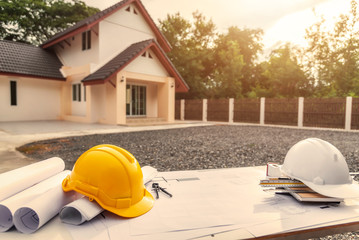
(73, 33)
(32, 76)
(160, 38)
(180, 85)
(94, 82)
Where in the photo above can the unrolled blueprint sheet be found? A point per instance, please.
(211, 202)
(202, 200)
(207, 202)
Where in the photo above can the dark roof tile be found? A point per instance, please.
(26, 59)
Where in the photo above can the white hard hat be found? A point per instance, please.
(322, 167)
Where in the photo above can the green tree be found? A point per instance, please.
(214, 65)
(249, 44)
(35, 21)
(191, 53)
(333, 55)
(285, 76)
(228, 70)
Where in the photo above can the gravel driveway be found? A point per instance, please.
(221, 146)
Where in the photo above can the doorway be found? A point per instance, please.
(135, 100)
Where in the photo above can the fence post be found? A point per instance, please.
(231, 110)
(204, 110)
(300, 111)
(348, 113)
(182, 109)
(262, 111)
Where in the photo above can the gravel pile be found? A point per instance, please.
(220, 146)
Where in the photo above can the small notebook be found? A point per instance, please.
(311, 196)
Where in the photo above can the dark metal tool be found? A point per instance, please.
(156, 187)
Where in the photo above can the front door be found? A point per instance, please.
(135, 100)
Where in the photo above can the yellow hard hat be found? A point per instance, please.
(113, 177)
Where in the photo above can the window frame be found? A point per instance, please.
(13, 93)
(86, 40)
(76, 92)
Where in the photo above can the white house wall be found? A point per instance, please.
(71, 53)
(146, 65)
(36, 99)
(119, 31)
(78, 108)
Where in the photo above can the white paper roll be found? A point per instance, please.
(80, 211)
(19, 179)
(40, 210)
(11, 204)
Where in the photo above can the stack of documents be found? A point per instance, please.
(276, 182)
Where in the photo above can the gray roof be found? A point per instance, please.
(26, 59)
(119, 61)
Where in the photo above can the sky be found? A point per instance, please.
(281, 20)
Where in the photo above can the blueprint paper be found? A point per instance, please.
(9, 206)
(149, 173)
(19, 179)
(83, 210)
(40, 210)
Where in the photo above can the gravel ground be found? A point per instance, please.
(220, 146)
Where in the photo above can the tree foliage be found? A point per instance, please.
(285, 76)
(191, 50)
(214, 65)
(34, 21)
(333, 55)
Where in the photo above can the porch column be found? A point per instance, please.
(166, 98)
(121, 98)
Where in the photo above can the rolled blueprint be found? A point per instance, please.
(83, 210)
(40, 210)
(80, 211)
(9, 206)
(19, 179)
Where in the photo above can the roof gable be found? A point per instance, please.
(109, 70)
(28, 60)
(89, 22)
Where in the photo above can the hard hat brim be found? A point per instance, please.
(336, 190)
(134, 210)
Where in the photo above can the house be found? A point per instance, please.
(109, 68)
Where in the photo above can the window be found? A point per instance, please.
(86, 40)
(13, 93)
(76, 92)
(84, 94)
